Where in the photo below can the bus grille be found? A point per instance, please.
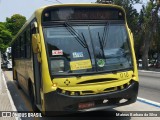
(91, 92)
(97, 80)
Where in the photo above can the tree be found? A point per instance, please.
(5, 37)
(149, 28)
(9, 29)
(14, 23)
(140, 35)
(105, 1)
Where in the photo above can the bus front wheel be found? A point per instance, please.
(32, 98)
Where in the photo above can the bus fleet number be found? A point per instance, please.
(124, 75)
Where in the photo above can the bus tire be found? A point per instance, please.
(32, 98)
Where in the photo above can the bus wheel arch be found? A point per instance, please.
(32, 95)
(18, 85)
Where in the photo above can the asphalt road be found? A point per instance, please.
(149, 87)
(148, 90)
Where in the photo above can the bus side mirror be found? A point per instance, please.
(36, 43)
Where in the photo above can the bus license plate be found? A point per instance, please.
(86, 105)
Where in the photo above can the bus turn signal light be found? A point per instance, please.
(54, 84)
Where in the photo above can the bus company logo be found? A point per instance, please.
(67, 82)
(15, 114)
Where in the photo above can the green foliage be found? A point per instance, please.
(118, 2)
(9, 29)
(14, 23)
(5, 37)
(150, 29)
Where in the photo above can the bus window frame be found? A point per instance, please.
(18, 41)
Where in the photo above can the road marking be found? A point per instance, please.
(146, 71)
(149, 102)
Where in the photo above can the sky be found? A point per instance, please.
(27, 7)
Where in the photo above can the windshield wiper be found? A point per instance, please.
(101, 45)
(74, 32)
(86, 46)
(81, 40)
(93, 47)
(105, 34)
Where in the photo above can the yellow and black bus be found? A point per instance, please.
(76, 57)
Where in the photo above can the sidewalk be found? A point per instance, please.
(150, 69)
(151, 72)
(6, 103)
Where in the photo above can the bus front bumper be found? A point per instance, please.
(56, 102)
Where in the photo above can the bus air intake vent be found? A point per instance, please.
(97, 80)
(110, 89)
(88, 92)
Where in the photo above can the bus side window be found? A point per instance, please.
(28, 43)
(18, 48)
(33, 30)
(14, 49)
(22, 46)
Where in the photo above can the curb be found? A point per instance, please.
(9, 96)
(146, 71)
(152, 74)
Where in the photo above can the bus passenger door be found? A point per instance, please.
(37, 67)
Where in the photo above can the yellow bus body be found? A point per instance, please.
(85, 85)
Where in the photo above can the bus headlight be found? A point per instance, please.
(54, 85)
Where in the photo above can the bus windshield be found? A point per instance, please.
(84, 48)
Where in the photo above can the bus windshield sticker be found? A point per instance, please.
(77, 54)
(81, 64)
(101, 63)
(57, 52)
